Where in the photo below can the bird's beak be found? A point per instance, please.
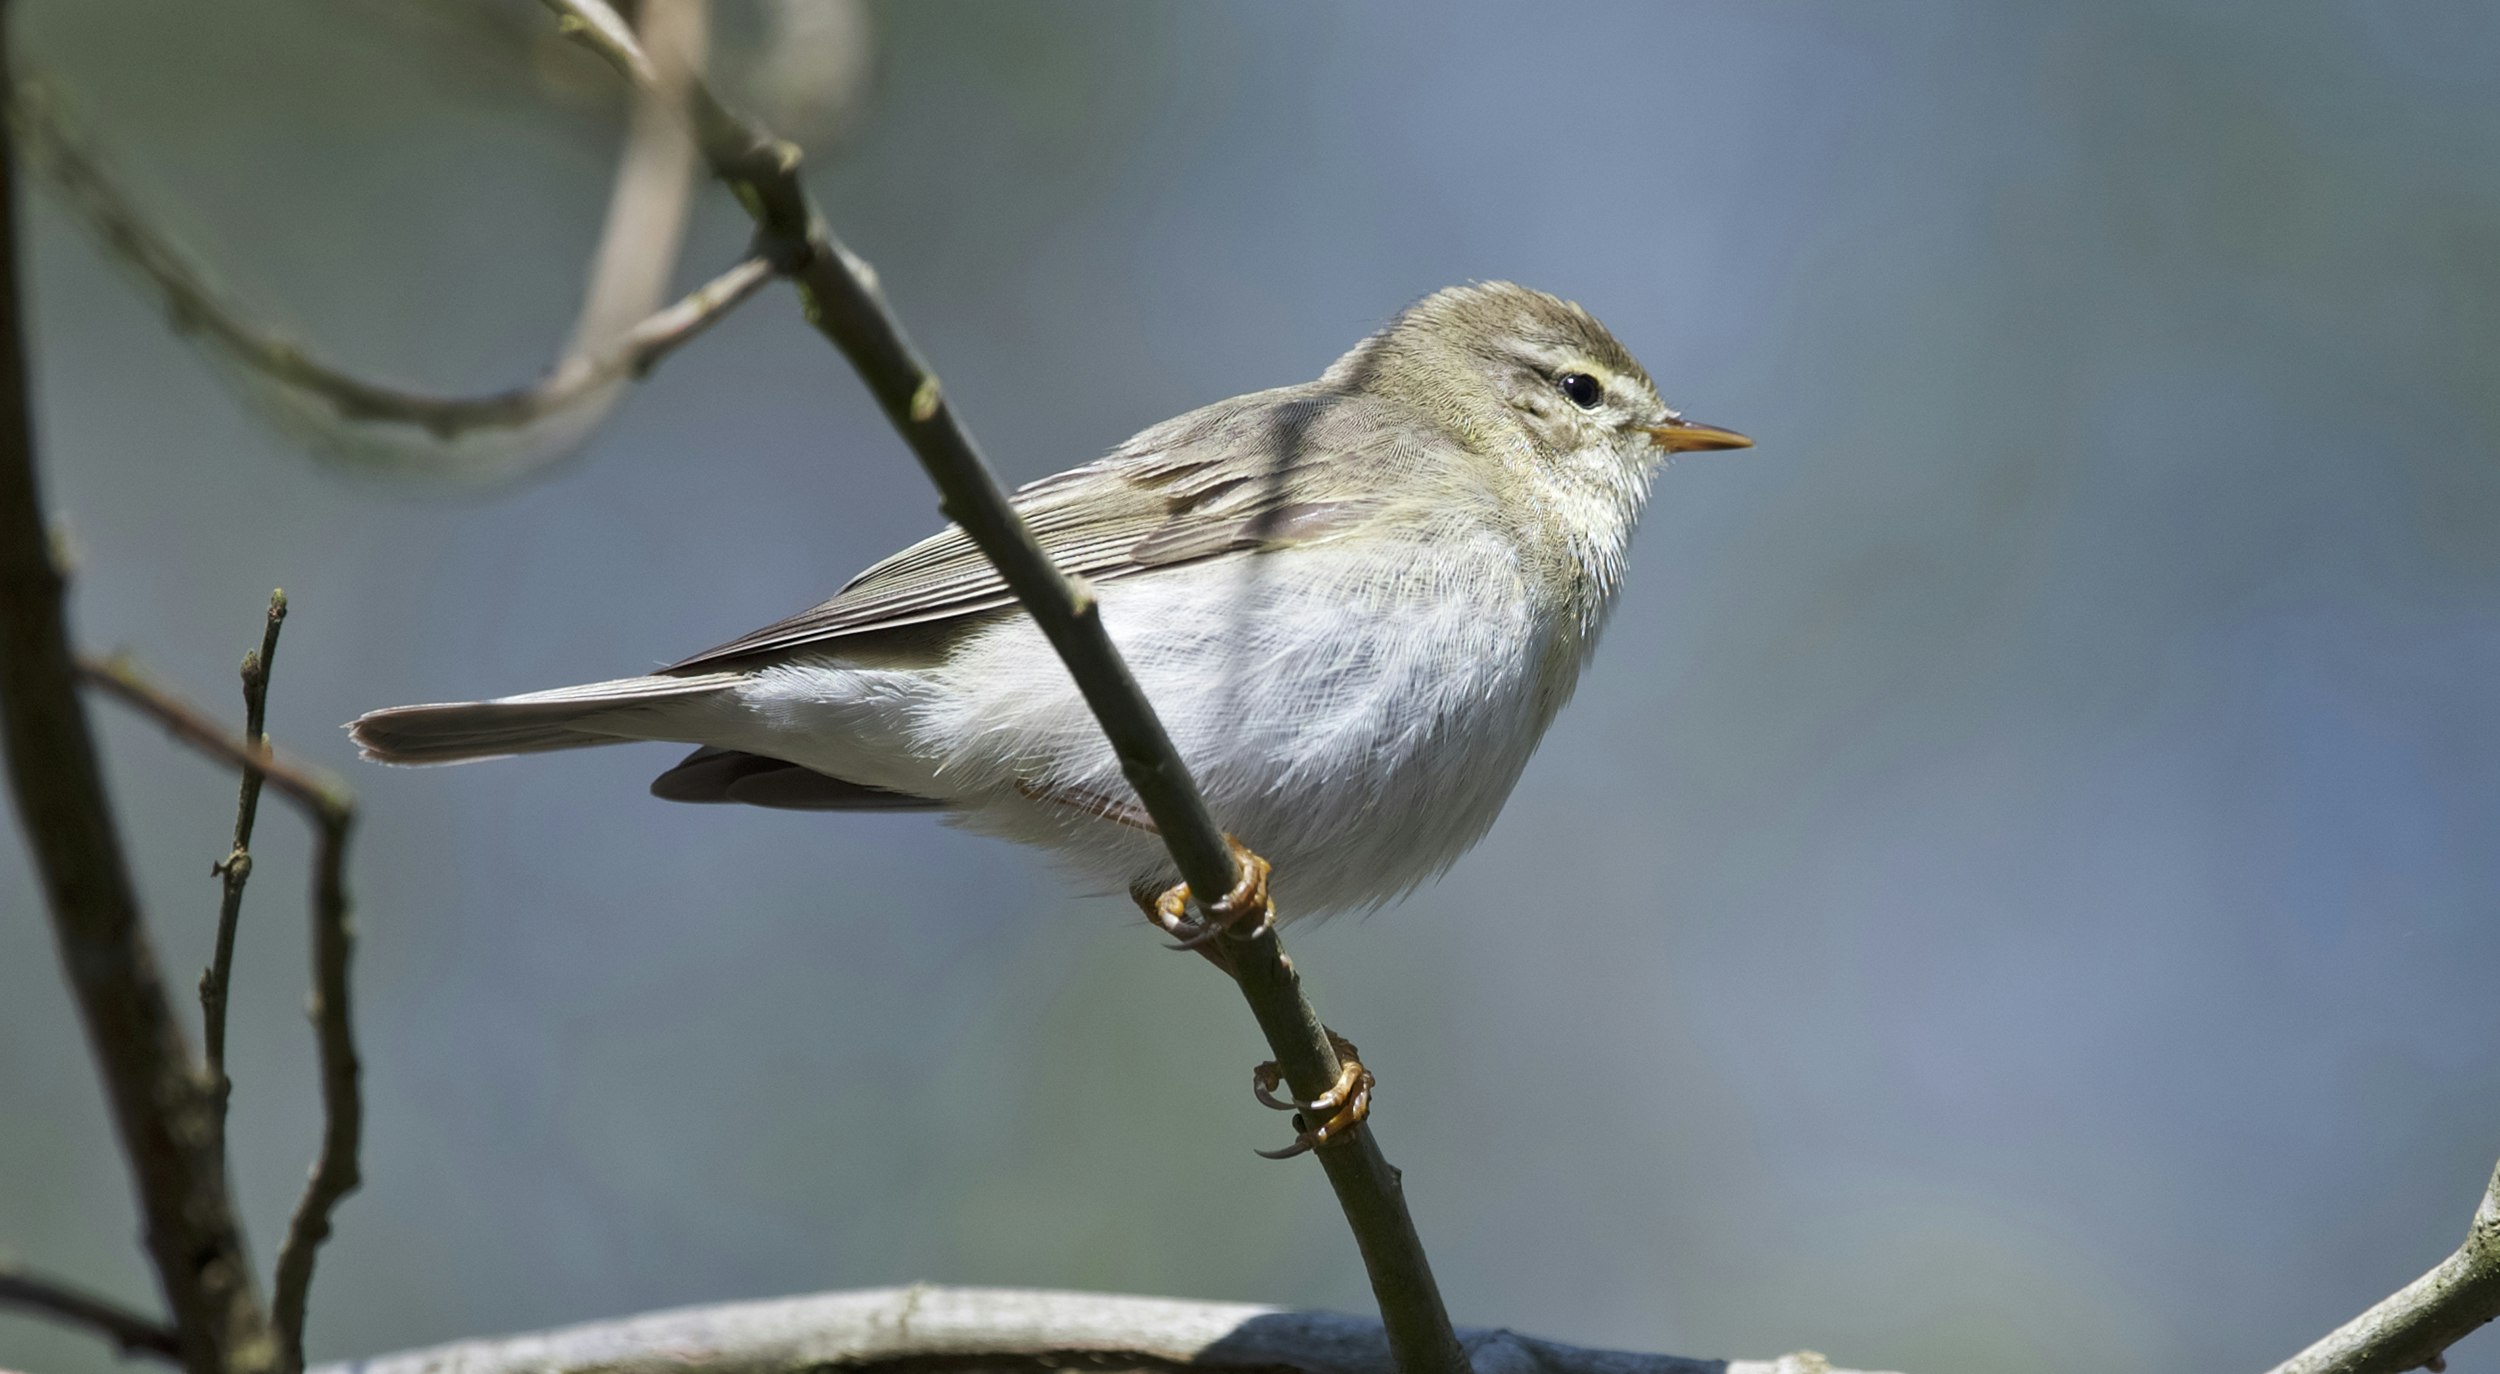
(1683, 436)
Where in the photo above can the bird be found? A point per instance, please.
(1356, 603)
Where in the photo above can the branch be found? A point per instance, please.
(131, 1332)
(161, 1106)
(649, 202)
(927, 1330)
(842, 300)
(318, 794)
(620, 334)
(236, 868)
(2413, 1327)
(335, 1171)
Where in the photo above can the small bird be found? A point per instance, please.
(1356, 603)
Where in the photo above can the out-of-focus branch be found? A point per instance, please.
(335, 1171)
(810, 68)
(133, 1333)
(928, 1330)
(161, 1104)
(235, 869)
(807, 67)
(841, 297)
(649, 202)
(620, 334)
(2414, 1326)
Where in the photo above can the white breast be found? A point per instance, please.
(1357, 718)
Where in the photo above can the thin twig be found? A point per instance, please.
(840, 294)
(236, 868)
(131, 1332)
(618, 337)
(2414, 1326)
(335, 1171)
(925, 1329)
(159, 1099)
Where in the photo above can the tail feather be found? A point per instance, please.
(565, 718)
(730, 775)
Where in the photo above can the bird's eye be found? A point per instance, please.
(1581, 388)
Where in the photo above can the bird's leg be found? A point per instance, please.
(1323, 1119)
(1335, 1112)
(1168, 908)
(1248, 901)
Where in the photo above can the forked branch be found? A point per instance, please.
(336, 1171)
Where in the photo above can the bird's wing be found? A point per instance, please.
(1178, 493)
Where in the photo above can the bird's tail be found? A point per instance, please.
(565, 718)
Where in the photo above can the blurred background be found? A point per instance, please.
(2015, 891)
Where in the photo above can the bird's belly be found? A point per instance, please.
(1357, 720)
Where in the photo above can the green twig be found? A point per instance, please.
(236, 868)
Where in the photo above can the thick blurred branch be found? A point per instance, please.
(620, 334)
(132, 1332)
(335, 1172)
(161, 1102)
(840, 294)
(928, 1330)
(648, 204)
(2414, 1326)
(807, 67)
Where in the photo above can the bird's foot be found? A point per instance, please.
(1247, 902)
(1327, 1117)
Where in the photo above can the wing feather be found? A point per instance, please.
(1174, 494)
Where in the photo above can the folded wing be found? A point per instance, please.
(1180, 492)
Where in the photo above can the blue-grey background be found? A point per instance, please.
(2015, 892)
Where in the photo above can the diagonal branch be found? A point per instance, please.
(133, 1333)
(335, 1171)
(321, 796)
(621, 333)
(2414, 1326)
(161, 1106)
(841, 297)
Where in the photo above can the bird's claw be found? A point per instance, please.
(1248, 901)
(1324, 1119)
(1335, 1112)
